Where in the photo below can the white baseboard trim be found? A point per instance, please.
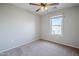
(18, 45)
(61, 43)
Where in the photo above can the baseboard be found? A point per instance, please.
(18, 46)
(61, 44)
(40, 39)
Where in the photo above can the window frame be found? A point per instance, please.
(61, 15)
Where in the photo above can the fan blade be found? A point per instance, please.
(34, 4)
(37, 10)
(53, 4)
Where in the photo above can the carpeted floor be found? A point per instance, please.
(42, 48)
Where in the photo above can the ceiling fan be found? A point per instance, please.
(44, 6)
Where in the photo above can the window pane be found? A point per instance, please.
(56, 25)
(57, 21)
(56, 30)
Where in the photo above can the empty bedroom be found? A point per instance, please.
(39, 29)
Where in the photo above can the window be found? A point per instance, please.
(56, 22)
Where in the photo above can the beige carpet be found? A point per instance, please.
(42, 48)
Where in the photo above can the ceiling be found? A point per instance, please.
(32, 8)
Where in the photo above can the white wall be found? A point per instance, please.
(17, 26)
(70, 27)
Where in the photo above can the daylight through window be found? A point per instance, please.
(57, 25)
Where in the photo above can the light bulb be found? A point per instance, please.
(45, 8)
(42, 8)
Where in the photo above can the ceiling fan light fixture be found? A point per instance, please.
(46, 8)
(43, 8)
